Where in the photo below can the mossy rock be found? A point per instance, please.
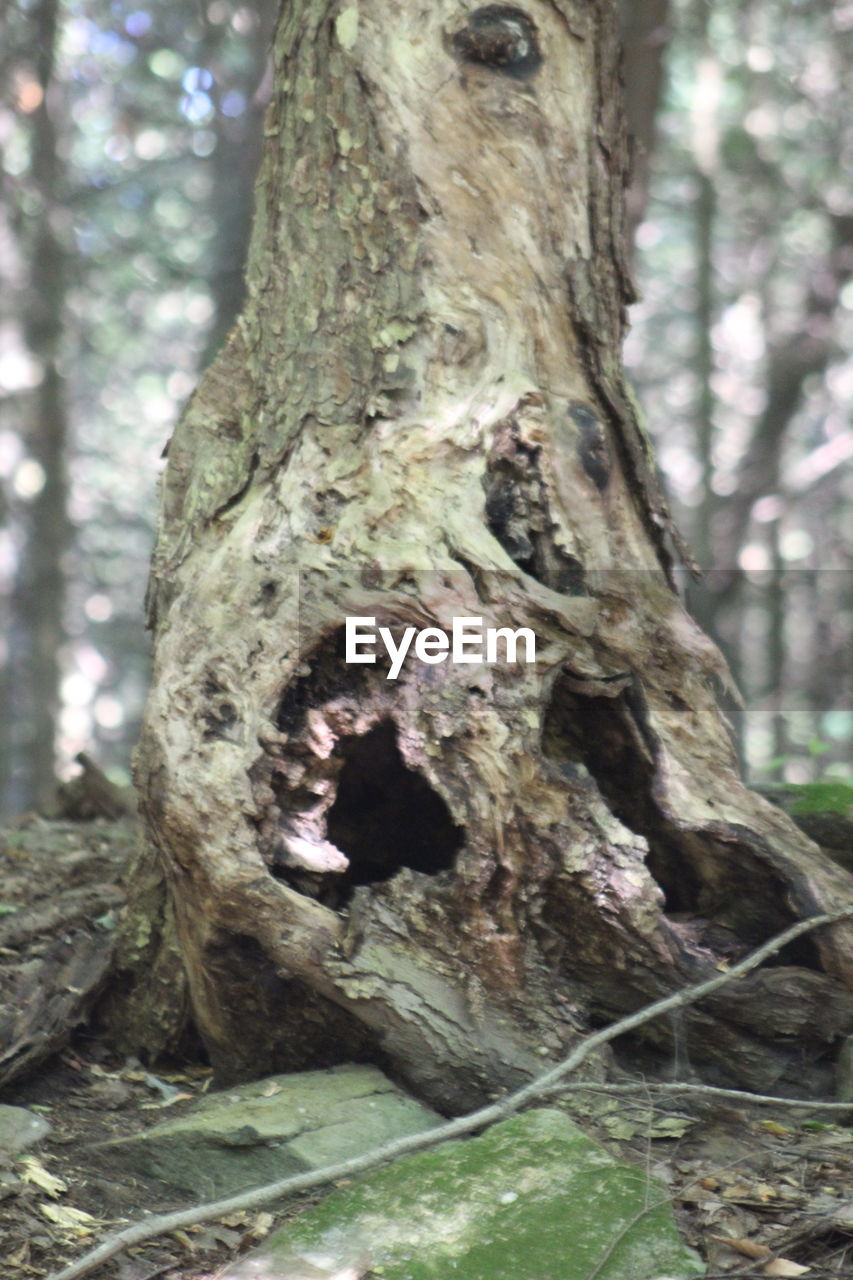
(532, 1198)
(270, 1129)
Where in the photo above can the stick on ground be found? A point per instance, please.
(160, 1224)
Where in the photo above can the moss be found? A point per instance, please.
(835, 796)
(532, 1197)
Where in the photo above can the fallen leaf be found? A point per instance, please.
(32, 1170)
(270, 1090)
(71, 1219)
(784, 1267)
(773, 1126)
(260, 1227)
(235, 1219)
(19, 1257)
(183, 1239)
(619, 1130)
(671, 1127)
(749, 1248)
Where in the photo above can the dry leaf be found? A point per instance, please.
(239, 1219)
(749, 1248)
(260, 1227)
(773, 1126)
(71, 1219)
(183, 1239)
(784, 1267)
(270, 1090)
(32, 1170)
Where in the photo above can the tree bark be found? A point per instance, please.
(421, 415)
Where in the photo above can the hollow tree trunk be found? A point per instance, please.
(421, 415)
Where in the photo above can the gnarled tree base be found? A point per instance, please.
(421, 416)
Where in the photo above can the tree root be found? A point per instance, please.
(546, 1083)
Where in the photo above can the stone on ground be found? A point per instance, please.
(533, 1198)
(271, 1129)
(20, 1128)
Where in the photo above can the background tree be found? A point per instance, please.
(740, 352)
(421, 414)
(128, 141)
(41, 416)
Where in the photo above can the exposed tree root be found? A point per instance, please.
(460, 1127)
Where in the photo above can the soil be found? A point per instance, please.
(777, 1184)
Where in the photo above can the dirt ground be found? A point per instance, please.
(758, 1190)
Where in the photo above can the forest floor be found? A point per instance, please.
(757, 1191)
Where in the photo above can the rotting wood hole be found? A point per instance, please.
(502, 38)
(387, 816)
(719, 887)
(517, 516)
(221, 715)
(329, 677)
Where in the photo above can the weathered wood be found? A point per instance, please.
(422, 415)
(59, 881)
(91, 794)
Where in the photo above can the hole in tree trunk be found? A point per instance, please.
(386, 815)
(720, 885)
(517, 516)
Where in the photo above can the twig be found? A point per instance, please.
(613, 1244)
(160, 1224)
(706, 1090)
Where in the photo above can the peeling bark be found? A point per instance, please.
(421, 415)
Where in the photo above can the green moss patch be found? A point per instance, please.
(533, 1198)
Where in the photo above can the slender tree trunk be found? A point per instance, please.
(421, 416)
(645, 36)
(41, 588)
(235, 161)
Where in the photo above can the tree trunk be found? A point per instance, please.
(38, 606)
(421, 416)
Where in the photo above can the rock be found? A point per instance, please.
(112, 1095)
(20, 1128)
(270, 1129)
(533, 1198)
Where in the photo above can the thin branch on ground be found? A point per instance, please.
(620, 1235)
(704, 1090)
(160, 1224)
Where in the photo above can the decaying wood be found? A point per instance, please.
(422, 415)
(45, 1000)
(91, 794)
(48, 919)
(461, 1127)
(61, 893)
